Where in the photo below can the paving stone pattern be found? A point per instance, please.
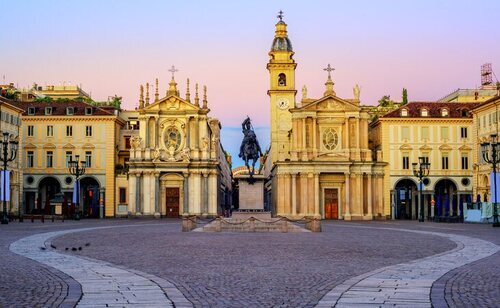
(409, 284)
(256, 270)
(102, 284)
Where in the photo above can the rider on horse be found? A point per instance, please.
(250, 148)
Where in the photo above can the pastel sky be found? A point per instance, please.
(110, 47)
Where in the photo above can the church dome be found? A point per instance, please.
(281, 44)
(281, 41)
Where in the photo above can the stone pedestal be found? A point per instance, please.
(251, 195)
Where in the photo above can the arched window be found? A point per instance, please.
(424, 112)
(281, 80)
(444, 112)
(404, 112)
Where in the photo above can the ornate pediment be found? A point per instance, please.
(465, 148)
(68, 146)
(171, 103)
(330, 103)
(49, 146)
(425, 147)
(405, 147)
(445, 147)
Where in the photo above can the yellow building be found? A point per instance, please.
(443, 134)
(319, 163)
(10, 122)
(486, 123)
(55, 133)
(479, 95)
(177, 165)
(64, 91)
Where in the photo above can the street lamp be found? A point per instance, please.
(77, 168)
(421, 170)
(7, 156)
(490, 155)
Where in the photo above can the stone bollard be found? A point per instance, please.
(188, 224)
(315, 225)
(284, 227)
(218, 222)
(252, 224)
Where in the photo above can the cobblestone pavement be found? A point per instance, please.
(408, 284)
(102, 284)
(234, 269)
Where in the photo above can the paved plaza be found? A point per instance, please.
(151, 263)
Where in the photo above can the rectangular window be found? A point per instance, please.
(465, 162)
(69, 157)
(31, 130)
(50, 131)
(123, 195)
(88, 159)
(425, 132)
(48, 110)
(30, 159)
(463, 132)
(444, 162)
(405, 132)
(70, 111)
(88, 131)
(88, 110)
(31, 111)
(406, 162)
(426, 158)
(444, 132)
(50, 159)
(69, 131)
(127, 142)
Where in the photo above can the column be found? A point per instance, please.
(196, 192)
(131, 192)
(361, 194)
(316, 194)
(358, 137)
(294, 194)
(314, 133)
(295, 139)
(310, 194)
(433, 197)
(146, 183)
(157, 194)
(138, 194)
(188, 132)
(212, 193)
(163, 199)
(205, 193)
(304, 137)
(186, 194)
(287, 194)
(146, 140)
(413, 204)
(369, 195)
(347, 196)
(458, 203)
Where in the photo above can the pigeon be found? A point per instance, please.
(79, 248)
(52, 245)
(87, 244)
(42, 248)
(66, 248)
(73, 249)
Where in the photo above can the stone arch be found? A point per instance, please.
(282, 80)
(47, 187)
(405, 198)
(446, 199)
(90, 194)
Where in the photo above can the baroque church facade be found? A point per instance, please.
(177, 166)
(319, 163)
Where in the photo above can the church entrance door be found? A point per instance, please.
(331, 203)
(172, 202)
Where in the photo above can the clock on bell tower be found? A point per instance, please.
(281, 91)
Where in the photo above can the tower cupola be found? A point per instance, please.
(281, 42)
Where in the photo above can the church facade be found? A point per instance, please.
(319, 164)
(177, 166)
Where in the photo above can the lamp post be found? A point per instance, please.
(77, 168)
(490, 155)
(421, 170)
(7, 156)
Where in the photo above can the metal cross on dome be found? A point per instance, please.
(173, 70)
(280, 15)
(329, 69)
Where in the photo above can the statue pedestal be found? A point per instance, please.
(251, 197)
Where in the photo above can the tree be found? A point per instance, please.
(385, 101)
(405, 96)
(46, 99)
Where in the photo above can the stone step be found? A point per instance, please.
(255, 226)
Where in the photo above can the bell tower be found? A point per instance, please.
(281, 91)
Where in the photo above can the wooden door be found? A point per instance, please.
(172, 202)
(331, 203)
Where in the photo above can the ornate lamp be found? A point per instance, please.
(489, 150)
(7, 156)
(421, 170)
(77, 168)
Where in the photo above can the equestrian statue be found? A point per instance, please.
(250, 148)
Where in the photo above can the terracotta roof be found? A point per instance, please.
(434, 110)
(59, 108)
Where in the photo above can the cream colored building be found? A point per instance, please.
(56, 132)
(486, 123)
(320, 163)
(10, 122)
(443, 134)
(177, 165)
(479, 95)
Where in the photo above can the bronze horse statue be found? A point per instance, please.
(250, 148)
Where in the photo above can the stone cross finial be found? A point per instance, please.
(173, 70)
(280, 15)
(329, 69)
